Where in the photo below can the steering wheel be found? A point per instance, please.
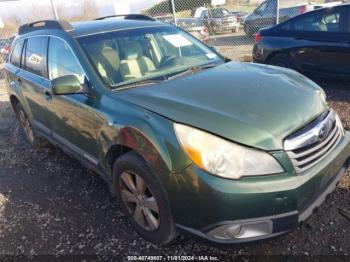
(167, 61)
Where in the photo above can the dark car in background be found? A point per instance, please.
(265, 15)
(317, 42)
(194, 27)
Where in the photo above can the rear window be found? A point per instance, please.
(17, 53)
(35, 55)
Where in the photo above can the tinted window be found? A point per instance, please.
(16, 54)
(61, 60)
(35, 55)
(322, 22)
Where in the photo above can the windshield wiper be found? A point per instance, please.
(137, 83)
(191, 70)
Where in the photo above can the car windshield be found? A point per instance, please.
(139, 55)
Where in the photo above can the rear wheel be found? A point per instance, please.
(142, 199)
(31, 137)
(282, 60)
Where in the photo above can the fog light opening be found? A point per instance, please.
(242, 230)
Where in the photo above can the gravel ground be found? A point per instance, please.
(51, 205)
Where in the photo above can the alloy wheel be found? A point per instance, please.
(23, 119)
(139, 200)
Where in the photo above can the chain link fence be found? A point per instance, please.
(229, 25)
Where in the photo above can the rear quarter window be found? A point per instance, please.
(35, 55)
(17, 53)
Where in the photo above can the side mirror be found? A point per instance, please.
(65, 85)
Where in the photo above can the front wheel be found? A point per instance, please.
(142, 199)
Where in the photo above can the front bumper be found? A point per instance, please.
(207, 202)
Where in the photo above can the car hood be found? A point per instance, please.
(251, 104)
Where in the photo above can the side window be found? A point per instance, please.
(329, 22)
(61, 60)
(17, 53)
(35, 55)
(261, 8)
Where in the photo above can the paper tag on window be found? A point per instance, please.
(211, 55)
(35, 59)
(177, 40)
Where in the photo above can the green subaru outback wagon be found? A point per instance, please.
(188, 141)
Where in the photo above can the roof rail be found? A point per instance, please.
(45, 24)
(130, 17)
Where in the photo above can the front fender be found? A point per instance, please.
(150, 135)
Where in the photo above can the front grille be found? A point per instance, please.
(317, 140)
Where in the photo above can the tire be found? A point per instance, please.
(34, 140)
(282, 60)
(141, 201)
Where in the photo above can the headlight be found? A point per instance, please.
(323, 96)
(223, 158)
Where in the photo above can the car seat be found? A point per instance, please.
(135, 65)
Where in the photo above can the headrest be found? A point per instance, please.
(133, 51)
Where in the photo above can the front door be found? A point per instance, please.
(72, 121)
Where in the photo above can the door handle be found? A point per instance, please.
(48, 95)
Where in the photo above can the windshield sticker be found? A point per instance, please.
(211, 55)
(177, 40)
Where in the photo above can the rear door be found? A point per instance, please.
(334, 51)
(13, 68)
(32, 79)
(321, 41)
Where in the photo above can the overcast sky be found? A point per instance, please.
(23, 8)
